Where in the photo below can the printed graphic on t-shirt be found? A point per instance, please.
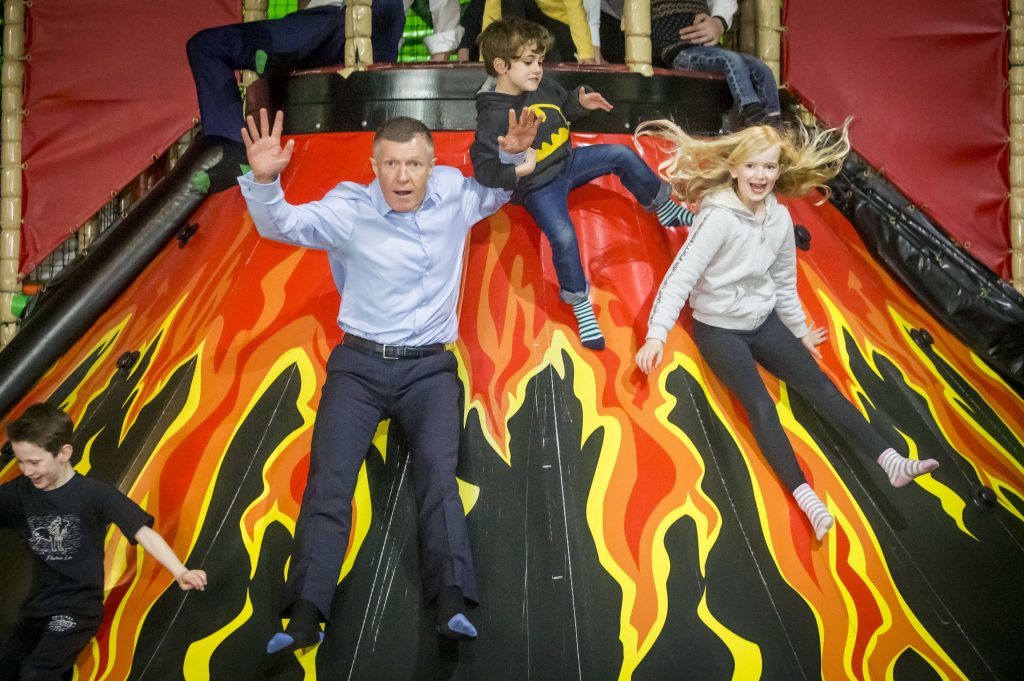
(55, 537)
(61, 623)
(558, 138)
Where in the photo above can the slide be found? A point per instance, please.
(624, 526)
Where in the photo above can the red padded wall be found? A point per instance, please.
(107, 89)
(926, 81)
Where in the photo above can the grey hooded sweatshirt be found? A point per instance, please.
(734, 269)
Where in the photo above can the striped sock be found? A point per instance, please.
(902, 470)
(590, 332)
(672, 214)
(815, 510)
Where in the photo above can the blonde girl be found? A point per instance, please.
(737, 268)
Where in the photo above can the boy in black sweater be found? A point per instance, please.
(512, 50)
(62, 517)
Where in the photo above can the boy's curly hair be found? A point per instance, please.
(506, 39)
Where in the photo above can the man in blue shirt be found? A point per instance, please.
(395, 249)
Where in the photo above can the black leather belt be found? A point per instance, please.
(393, 351)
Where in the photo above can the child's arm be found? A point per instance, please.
(591, 99)
(783, 274)
(164, 554)
(693, 258)
(576, 18)
(488, 168)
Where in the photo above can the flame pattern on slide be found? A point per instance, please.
(670, 542)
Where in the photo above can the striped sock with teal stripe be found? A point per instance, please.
(590, 332)
(672, 214)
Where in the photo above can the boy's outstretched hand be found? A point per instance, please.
(192, 579)
(594, 100)
(649, 356)
(267, 157)
(521, 133)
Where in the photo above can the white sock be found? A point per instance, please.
(902, 470)
(815, 510)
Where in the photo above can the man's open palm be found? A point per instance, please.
(267, 157)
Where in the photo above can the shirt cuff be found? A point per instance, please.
(444, 41)
(511, 159)
(263, 193)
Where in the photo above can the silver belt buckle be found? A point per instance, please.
(384, 352)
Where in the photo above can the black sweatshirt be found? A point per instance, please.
(557, 109)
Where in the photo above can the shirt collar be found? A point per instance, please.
(432, 198)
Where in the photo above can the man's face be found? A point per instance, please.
(403, 169)
(46, 471)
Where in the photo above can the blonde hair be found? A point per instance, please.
(697, 166)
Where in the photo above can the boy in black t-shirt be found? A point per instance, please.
(62, 518)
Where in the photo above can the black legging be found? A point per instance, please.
(732, 355)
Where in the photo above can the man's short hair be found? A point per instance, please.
(402, 129)
(44, 426)
(507, 38)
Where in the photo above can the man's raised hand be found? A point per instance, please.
(267, 157)
(521, 133)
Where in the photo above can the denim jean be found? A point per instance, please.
(750, 80)
(549, 205)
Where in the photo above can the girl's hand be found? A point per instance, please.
(192, 579)
(815, 337)
(594, 100)
(649, 356)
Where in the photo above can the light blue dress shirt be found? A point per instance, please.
(398, 273)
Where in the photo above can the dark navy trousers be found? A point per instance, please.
(423, 397)
(305, 39)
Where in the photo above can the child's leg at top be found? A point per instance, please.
(46, 647)
(550, 210)
(781, 353)
(767, 89)
(729, 355)
(654, 194)
(737, 75)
